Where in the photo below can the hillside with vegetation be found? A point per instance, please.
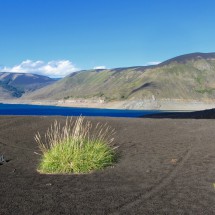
(190, 76)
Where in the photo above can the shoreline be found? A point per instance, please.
(164, 104)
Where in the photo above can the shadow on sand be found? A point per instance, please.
(206, 114)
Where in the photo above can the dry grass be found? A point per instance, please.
(76, 147)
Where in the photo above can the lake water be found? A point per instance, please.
(20, 109)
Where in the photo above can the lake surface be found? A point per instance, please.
(20, 109)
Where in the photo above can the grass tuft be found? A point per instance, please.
(76, 147)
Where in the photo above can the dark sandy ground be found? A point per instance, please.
(205, 114)
(166, 166)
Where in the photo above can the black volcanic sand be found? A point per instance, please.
(166, 166)
(204, 114)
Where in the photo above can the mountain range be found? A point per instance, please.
(15, 85)
(190, 76)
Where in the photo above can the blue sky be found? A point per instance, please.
(61, 36)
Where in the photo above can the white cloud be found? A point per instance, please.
(153, 63)
(54, 69)
(99, 67)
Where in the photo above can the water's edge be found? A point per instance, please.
(27, 109)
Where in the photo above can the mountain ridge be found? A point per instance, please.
(192, 56)
(185, 77)
(190, 76)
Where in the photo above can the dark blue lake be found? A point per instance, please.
(20, 109)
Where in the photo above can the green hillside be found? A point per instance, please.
(189, 76)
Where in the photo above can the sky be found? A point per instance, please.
(58, 37)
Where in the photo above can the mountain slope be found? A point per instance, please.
(189, 76)
(14, 85)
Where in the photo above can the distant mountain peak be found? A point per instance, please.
(16, 84)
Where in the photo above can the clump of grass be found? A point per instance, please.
(76, 147)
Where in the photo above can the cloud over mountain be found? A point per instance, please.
(153, 63)
(54, 69)
(99, 67)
